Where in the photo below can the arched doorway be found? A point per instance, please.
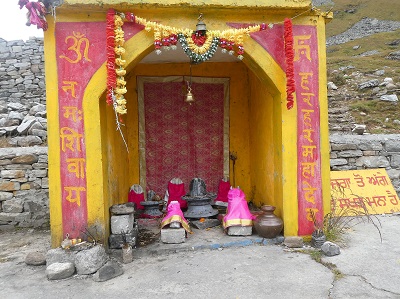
(254, 106)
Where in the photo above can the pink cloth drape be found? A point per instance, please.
(238, 213)
(136, 198)
(176, 191)
(174, 214)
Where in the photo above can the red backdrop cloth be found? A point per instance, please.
(136, 199)
(183, 140)
(175, 192)
(223, 190)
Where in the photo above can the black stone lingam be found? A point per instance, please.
(199, 201)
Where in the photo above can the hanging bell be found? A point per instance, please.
(189, 96)
(201, 26)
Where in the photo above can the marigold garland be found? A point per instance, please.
(115, 63)
(198, 46)
(111, 75)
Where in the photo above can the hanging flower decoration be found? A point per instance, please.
(36, 13)
(289, 57)
(116, 84)
(198, 54)
(111, 73)
(199, 46)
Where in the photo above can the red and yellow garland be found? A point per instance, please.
(116, 84)
(198, 47)
(289, 54)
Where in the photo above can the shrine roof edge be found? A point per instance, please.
(196, 4)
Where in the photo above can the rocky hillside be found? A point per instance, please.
(363, 56)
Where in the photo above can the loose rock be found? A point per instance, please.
(90, 260)
(110, 270)
(294, 242)
(330, 249)
(60, 271)
(35, 259)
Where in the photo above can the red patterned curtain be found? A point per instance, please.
(182, 140)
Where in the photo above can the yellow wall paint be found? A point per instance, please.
(288, 155)
(323, 103)
(279, 4)
(261, 143)
(96, 201)
(106, 155)
(53, 130)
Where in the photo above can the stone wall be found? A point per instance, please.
(23, 128)
(24, 187)
(350, 152)
(22, 93)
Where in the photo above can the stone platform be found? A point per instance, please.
(211, 238)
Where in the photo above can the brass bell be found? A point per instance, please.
(201, 26)
(189, 97)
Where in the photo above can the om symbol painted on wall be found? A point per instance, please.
(77, 40)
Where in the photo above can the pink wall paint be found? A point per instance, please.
(80, 51)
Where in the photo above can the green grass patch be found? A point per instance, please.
(344, 54)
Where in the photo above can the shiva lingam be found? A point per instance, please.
(199, 201)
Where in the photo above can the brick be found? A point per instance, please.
(293, 242)
(117, 241)
(121, 224)
(240, 230)
(173, 235)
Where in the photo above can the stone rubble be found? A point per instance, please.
(363, 28)
(63, 263)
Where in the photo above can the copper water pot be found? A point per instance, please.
(267, 224)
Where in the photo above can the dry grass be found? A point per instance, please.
(376, 114)
(340, 219)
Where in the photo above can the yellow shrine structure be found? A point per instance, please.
(274, 137)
